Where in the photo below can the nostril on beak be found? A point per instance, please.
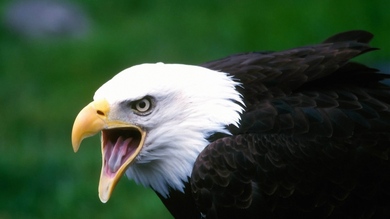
(100, 112)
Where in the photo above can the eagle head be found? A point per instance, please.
(154, 120)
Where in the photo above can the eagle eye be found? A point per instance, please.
(142, 106)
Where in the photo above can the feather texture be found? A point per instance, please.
(313, 142)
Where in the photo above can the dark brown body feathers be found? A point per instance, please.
(313, 142)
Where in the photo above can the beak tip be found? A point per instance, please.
(103, 200)
(106, 185)
(88, 122)
(104, 197)
(75, 149)
(75, 145)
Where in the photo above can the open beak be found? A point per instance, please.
(121, 142)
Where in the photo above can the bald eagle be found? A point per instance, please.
(300, 133)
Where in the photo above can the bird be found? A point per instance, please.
(297, 133)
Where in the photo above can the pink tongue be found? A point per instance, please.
(115, 154)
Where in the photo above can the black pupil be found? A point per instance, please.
(142, 104)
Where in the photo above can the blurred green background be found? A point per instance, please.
(45, 82)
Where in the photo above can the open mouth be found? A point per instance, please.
(119, 145)
(121, 142)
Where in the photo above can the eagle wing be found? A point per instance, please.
(314, 139)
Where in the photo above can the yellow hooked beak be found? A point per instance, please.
(93, 119)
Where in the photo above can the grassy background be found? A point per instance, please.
(44, 83)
